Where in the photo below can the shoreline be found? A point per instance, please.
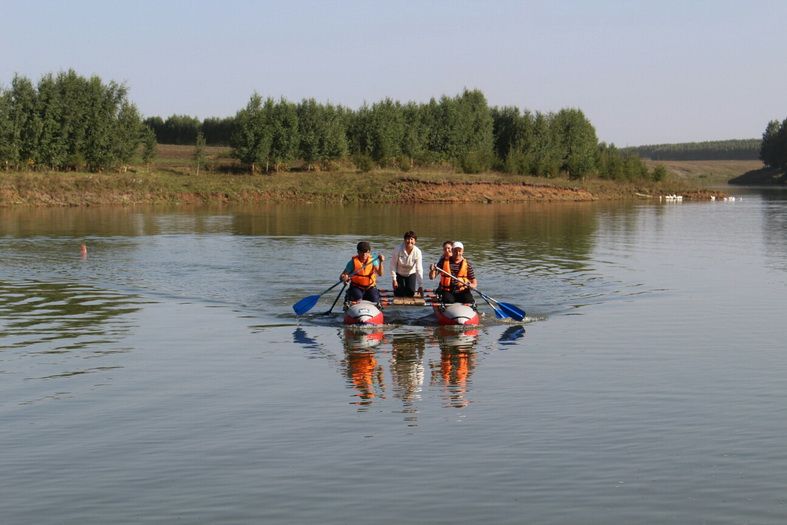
(136, 187)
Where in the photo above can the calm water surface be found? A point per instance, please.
(164, 378)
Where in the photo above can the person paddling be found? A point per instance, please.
(407, 269)
(363, 284)
(451, 290)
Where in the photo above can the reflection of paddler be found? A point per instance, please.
(457, 362)
(456, 366)
(364, 373)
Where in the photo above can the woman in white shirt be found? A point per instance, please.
(407, 268)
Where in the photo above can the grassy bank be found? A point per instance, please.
(172, 179)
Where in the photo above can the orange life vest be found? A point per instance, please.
(364, 277)
(446, 283)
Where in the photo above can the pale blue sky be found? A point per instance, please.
(643, 72)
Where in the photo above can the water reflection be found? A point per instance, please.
(60, 317)
(536, 255)
(76, 327)
(407, 372)
(372, 377)
(775, 227)
(364, 373)
(456, 366)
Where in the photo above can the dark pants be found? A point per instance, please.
(405, 286)
(453, 296)
(355, 293)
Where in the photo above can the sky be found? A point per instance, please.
(643, 72)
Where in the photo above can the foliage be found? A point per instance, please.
(741, 149)
(177, 129)
(774, 145)
(148, 146)
(67, 122)
(251, 140)
(199, 156)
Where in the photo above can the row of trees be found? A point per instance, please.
(774, 145)
(740, 149)
(463, 131)
(183, 129)
(69, 122)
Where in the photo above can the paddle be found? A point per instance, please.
(502, 310)
(335, 300)
(307, 303)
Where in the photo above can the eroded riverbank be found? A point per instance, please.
(141, 188)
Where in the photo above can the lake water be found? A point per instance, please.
(164, 377)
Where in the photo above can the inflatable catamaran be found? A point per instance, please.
(368, 313)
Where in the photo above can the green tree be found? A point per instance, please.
(544, 148)
(333, 139)
(387, 131)
(773, 151)
(311, 126)
(577, 142)
(415, 135)
(251, 141)
(659, 173)
(199, 157)
(472, 138)
(148, 146)
(285, 138)
(22, 124)
(52, 146)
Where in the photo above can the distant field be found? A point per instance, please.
(706, 172)
(179, 158)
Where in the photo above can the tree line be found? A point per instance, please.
(68, 122)
(773, 151)
(740, 149)
(462, 131)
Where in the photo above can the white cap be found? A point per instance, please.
(458, 244)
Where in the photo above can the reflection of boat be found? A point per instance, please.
(455, 314)
(363, 313)
(456, 337)
(359, 339)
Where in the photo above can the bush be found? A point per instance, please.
(659, 173)
(475, 162)
(363, 162)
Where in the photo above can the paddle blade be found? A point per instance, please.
(512, 311)
(498, 312)
(305, 304)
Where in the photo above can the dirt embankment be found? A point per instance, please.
(430, 192)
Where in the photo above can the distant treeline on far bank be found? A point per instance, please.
(740, 149)
(69, 122)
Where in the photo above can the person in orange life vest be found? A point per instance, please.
(407, 269)
(449, 290)
(363, 285)
(448, 247)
